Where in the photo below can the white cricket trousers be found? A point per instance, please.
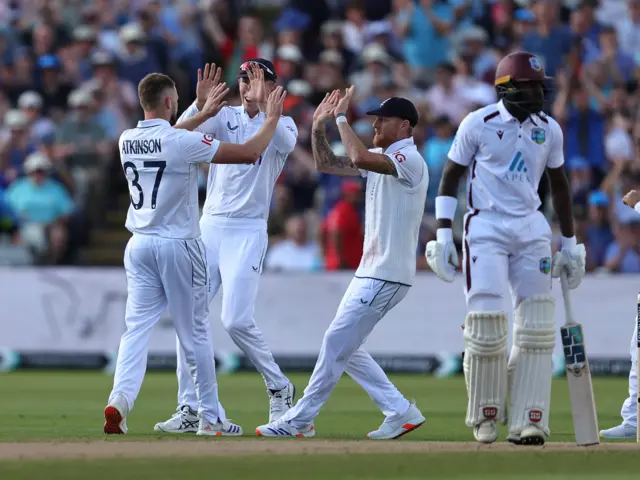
(364, 304)
(236, 248)
(629, 414)
(502, 250)
(165, 272)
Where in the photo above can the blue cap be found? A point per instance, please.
(576, 163)
(292, 19)
(598, 199)
(524, 15)
(48, 61)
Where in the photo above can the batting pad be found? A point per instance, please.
(485, 366)
(531, 364)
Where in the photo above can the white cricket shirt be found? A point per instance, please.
(507, 158)
(393, 212)
(240, 190)
(160, 164)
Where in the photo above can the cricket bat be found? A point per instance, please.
(638, 369)
(583, 405)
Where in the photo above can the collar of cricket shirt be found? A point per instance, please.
(154, 122)
(394, 147)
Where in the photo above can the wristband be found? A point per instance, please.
(341, 118)
(568, 243)
(637, 207)
(446, 207)
(444, 235)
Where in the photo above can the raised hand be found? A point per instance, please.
(343, 103)
(324, 111)
(206, 82)
(275, 102)
(214, 102)
(257, 90)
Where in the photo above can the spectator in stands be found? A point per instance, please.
(342, 229)
(82, 138)
(281, 210)
(584, 125)
(376, 72)
(53, 88)
(328, 75)
(43, 207)
(31, 103)
(15, 145)
(288, 63)
(617, 65)
(85, 43)
(120, 96)
(355, 25)
(551, 41)
(435, 153)
(623, 254)
(598, 232)
(629, 29)
(136, 59)
(17, 75)
(446, 96)
(426, 22)
(297, 253)
(331, 39)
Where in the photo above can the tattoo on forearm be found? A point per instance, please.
(324, 156)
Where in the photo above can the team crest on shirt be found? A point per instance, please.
(538, 135)
(399, 157)
(545, 265)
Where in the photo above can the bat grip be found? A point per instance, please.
(564, 284)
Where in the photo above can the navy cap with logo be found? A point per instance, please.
(397, 107)
(266, 66)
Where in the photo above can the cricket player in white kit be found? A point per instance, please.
(234, 231)
(505, 149)
(165, 260)
(627, 429)
(396, 192)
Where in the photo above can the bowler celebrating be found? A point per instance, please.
(165, 260)
(234, 231)
(396, 192)
(506, 148)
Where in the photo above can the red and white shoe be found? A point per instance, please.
(115, 416)
(399, 426)
(220, 429)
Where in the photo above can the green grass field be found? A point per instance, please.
(67, 407)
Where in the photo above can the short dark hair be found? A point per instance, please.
(151, 87)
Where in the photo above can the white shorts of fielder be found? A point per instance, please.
(364, 304)
(236, 250)
(169, 273)
(516, 251)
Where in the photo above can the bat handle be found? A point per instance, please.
(564, 284)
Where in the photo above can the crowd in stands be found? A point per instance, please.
(69, 71)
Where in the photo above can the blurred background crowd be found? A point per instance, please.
(69, 70)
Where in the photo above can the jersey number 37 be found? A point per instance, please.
(130, 166)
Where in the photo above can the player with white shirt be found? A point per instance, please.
(234, 230)
(165, 260)
(504, 149)
(627, 429)
(396, 192)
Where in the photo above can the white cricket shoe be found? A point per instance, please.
(115, 416)
(619, 431)
(530, 435)
(185, 420)
(401, 425)
(220, 429)
(280, 401)
(282, 429)
(486, 431)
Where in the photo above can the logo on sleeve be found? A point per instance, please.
(399, 157)
(207, 139)
(231, 129)
(545, 265)
(538, 135)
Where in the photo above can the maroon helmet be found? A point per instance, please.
(520, 81)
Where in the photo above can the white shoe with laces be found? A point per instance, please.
(185, 420)
(280, 402)
(282, 429)
(220, 429)
(399, 426)
(619, 431)
(486, 431)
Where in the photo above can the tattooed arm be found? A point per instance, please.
(326, 161)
